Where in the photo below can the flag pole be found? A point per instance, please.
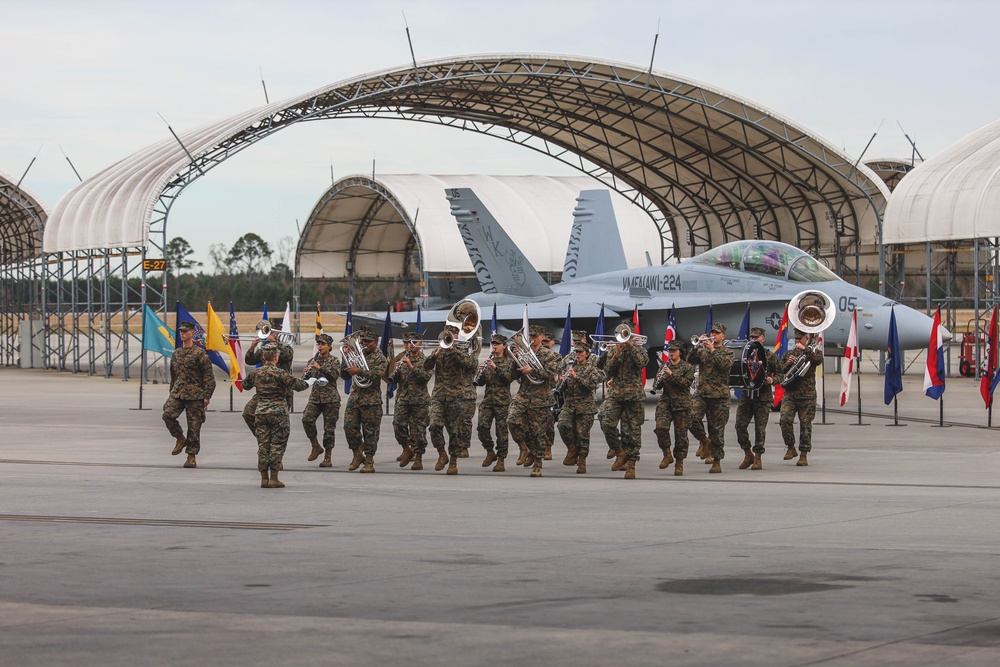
(823, 389)
(860, 423)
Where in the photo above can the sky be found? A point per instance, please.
(94, 81)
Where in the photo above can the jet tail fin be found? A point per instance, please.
(595, 244)
(499, 264)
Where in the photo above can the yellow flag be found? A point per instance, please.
(215, 341)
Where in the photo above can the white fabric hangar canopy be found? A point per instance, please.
(23, 217)
(380, 226)
(953, 196)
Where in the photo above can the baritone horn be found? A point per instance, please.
(522, 355)
(353, 354)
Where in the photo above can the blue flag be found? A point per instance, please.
(708, 324)
(199, 337)
(419, 330)
(567, 339)
(264, 316)
(745, 325)
(384, 346)
(894, 362)
(494, 322)
(156, 337)
(347, 332)
(599, 331)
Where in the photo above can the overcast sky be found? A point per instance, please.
(91, 77)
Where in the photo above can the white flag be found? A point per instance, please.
(525, 322)
(286, 324)
(850, 360)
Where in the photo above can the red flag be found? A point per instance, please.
(780, 347)
(850, 360)
(668, 335)
(990, 372)
(635, 321)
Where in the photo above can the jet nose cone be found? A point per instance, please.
(946, 335)
(912, 327)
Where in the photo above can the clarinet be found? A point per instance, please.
(478, 379)
(559, 391)
(658, 380)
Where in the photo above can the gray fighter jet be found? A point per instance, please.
(761, 275)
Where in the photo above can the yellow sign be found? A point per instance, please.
(154, 265)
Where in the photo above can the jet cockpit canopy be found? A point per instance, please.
(771, 258)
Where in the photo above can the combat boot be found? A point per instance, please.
(667, 459)
(522, 452)
(536, 468)
(630, 470)
(463, 453)
(704, 448)
(716, 466)
(619, 461)
(581, 465)
(747, 460)
(453, 465)
(757, 463)
(529, 459)
(679, 468)
(274, 483)
(570, 459)
(499, 467)
(179, 447)
(316, 450)
(612, 453)
(369, 465)
(490, 458)
(442, 459)
(264, 480)
(406, 457)
(709, 460)
(548, 453)
(358, 458)
(418, 463)
(327, 462)
(790, 453)
(802, 460)
(190, 463)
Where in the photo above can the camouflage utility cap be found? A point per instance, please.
(324, 339)
(367, 333)
(756, 331)
(186, 326)
(675, 344)
(536, 330)
(719, 327)
(498, 338)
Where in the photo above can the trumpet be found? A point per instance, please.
(522, 355)
(623, 333)
(697, 340)
(353, 354)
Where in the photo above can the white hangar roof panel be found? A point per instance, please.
(953, 196)
(536, 211)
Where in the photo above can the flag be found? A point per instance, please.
(493, 324)
(745, 325)
(851, 360)
(567, 340)
(234, 343)
(934, 372)
(215, 342)
(635, 321)
(820, 345)
(708, 323)
(319, 328)
(156, 337)
(991, 374)
(386, 346)
(669, 334)
(894, 363)
(599, 330)
(264, 316)
(286, 322)
(420, 330)
(347, 332)
(780, 348)
(524, 323)
(199, 336)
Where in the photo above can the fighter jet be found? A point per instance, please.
(761, 275)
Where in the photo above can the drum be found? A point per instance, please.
(747, 371)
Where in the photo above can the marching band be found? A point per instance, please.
(553, 392)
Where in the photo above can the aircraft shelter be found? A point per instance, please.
(705, 165)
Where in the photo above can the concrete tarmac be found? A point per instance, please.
(883, 551)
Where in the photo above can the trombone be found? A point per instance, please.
(623, 333)
(263, 330)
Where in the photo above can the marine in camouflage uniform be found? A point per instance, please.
(272, 385)
(674, 406)
(324, 399)
(715, 361)
(800, 400)
(192, 384)
(756, 405)
(623, 412)
(411, 413)
(527, 410)
(549, 433)
(493, 410)
(453, 403)
(252, 357)
(576, 419)
(363, 412)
